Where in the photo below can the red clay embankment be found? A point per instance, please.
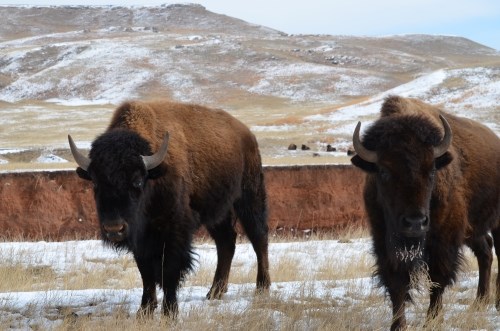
(58, 204)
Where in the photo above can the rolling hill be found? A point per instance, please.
(64, 68)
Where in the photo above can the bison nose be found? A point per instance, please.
(115, 232)
(415, 225)
(114, 227)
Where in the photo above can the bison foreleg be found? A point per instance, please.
(434, 313)
(149, 301)
(175, 264)
(170, 307)
(398, 294)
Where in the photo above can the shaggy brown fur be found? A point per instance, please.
(457, 194)
(212, 173)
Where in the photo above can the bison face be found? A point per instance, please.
(402, 170)
(403, 194)
(118, 197)
(120, 174)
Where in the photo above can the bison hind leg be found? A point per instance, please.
(224, 236)
(256, 229)
(482, 246)
(496, 241)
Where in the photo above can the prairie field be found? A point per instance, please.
(323, 282)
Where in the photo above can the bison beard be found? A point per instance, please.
(206, 171)
(426, 195)
(407, 251)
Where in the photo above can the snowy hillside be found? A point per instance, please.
(477, 98)
(64, 69)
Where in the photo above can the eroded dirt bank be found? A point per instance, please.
(58, 204)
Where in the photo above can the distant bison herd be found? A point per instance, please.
(163, 169)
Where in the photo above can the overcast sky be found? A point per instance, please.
(478, 20)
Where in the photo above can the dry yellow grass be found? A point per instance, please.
(267, 312)
(364, 307)
(17, 277)
(122, 274)
(305, 312)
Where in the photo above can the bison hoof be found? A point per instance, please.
(480, 304)
(145, 312)
(170, 310)
(263, 283)
(262, 291)
(216, 293)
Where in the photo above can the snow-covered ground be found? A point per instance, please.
(313, 259)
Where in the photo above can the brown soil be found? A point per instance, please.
(57, 205)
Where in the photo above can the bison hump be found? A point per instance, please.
(138, 117)
(396, 105)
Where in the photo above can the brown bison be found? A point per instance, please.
(162, 169)
(426, 194)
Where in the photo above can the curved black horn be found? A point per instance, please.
(446, 142)
(157, 158)
(82, 161)
(362, 152)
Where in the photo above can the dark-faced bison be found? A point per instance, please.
(433, 184)
(160, 171)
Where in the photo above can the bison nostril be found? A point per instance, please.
(115, 228)
(420, 222)
(407, 224)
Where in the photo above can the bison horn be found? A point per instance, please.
(445, 143)
(362, 152)
(82, 161)
(157, 158)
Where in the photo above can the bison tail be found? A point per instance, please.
(251, 208)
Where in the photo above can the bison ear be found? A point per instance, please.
(443, 160)
(83, 174)
(362, 164)
(158, 171)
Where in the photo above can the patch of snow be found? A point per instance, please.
(270, 128)
(50, 158)
(280, 80)
(352, 114)
(77, 102)
(11, 150)
(65, 257)
(109, 80)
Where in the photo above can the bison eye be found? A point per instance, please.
(384, 174)
(138, 183)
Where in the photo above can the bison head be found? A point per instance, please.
(401, 155)
(119, 165)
